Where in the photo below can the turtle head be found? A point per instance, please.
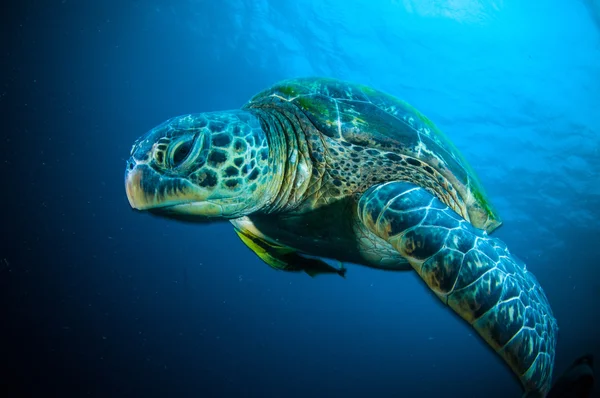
(201, 166)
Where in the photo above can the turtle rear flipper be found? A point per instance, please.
(472, 273)
(576, 382)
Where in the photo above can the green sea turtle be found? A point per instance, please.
(313, 169)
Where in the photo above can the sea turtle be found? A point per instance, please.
(316, 168)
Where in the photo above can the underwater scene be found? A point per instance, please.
(292, 199)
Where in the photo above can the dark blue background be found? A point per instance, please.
(98, 300)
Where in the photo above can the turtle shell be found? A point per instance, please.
(361, 115)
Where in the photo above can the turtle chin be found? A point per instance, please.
(190, 211)
(182, 213)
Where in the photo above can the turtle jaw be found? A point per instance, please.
(174, 197)
(147, 190)
(138, 198)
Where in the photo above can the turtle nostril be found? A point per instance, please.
(181, 152)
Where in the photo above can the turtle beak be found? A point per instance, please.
(138, 199)
(148, 190)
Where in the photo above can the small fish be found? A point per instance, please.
(316, 266)
(285, 258)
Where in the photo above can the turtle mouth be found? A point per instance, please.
(149, 191)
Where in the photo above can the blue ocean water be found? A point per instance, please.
(102, 301)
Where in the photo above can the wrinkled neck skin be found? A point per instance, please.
(290, 167)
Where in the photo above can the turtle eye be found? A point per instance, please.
(181, 152)
(188, 152)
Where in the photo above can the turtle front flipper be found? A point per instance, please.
(472, 273)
